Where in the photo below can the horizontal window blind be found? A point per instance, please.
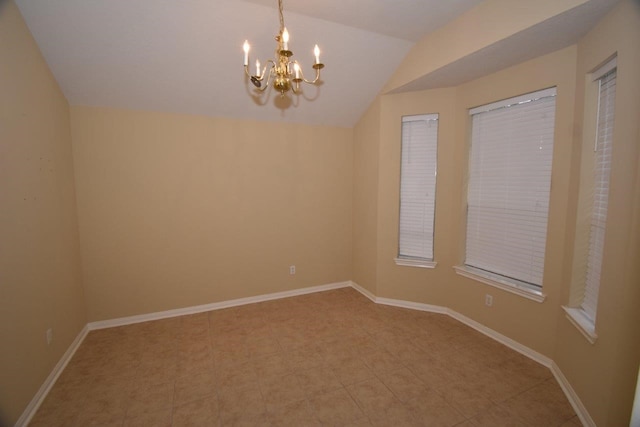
(418, 186)
(603, 148)
(509, 185)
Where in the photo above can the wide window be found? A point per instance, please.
(417, 190)
(508, 189)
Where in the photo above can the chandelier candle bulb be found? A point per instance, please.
(285, 39)
(297, 68)
(257, 67)
(316, 52)
(245, 47)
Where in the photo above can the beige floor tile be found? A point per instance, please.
(303, 358)
(573, 422)
(236, 376)
(403, 383)
(433, 410)
(382, 361)
(193, 387)
(497, 415)
(258, 346)
(272, 365)
(103, 405)
(432, 372)
(199, 413)
(293, 414)
(154, 371)
(336, 408)
(55, 415)
(160, 418)
(147, 398)
(465, 397)
(397, 414)
(351, 370)
(101, 420)
(405, 351)
(281, 391)
(544, 404)
(318, 380)
(373, 397)
(235, 404)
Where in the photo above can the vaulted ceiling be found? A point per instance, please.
(186, 56)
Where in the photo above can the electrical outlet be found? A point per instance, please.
(292, 269)
(49, 336)
(488, 300)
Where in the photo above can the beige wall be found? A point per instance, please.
(39, 254)
(411, 283)
(366, 146)
(528, 322)
(604, 374)
(177, 211)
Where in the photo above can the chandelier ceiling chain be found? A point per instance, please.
(285, 73)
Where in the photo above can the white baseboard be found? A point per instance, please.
(39, 397)
(213, 306)
(503, 339)
(363, 291)
(573, 398)
(575, 401)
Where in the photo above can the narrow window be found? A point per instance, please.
(508, 189)
(593, 199)
(599, 204)
(417, 190)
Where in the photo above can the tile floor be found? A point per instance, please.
(329, 358)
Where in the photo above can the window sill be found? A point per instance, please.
(582, 323)
(512, 287)
(415, 262)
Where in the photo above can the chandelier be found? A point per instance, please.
(282, 71)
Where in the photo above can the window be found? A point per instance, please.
(417, 190)
(607, 91)
(593, 204)
(508, 192)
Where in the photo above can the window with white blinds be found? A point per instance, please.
(418, 186)
(508, 188)
(601, 173)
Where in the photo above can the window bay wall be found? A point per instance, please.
(602, 373)
(525, 320)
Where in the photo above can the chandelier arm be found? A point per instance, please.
(246, 71)
(264, 70)
(268, 81)
(303, 79)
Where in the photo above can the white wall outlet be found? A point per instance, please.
(292, 269)
(488, 300)
(49, 336)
